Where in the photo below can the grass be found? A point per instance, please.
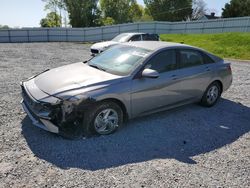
(226, 45)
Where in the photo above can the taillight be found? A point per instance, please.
(229, 68)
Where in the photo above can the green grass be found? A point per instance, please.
(226, 45)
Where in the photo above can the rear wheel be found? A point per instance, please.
(103, 119)
(211, 95)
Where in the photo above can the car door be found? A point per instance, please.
(151, 94)
(194, 74)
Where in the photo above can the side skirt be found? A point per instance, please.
(168, 107)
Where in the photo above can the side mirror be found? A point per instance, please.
(150, 73)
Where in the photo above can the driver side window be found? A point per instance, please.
(163, 62)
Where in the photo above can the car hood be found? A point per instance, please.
(102, 45)
(71, 77)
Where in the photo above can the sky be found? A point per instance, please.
(28, 13)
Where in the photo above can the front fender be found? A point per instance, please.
(120, 92)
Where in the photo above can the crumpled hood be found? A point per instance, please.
(71, 77)
(103, 45)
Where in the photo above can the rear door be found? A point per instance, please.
(195, 73)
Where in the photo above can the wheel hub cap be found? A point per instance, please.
(106, 121)
(212, 94)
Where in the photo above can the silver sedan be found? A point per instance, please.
(128, 80)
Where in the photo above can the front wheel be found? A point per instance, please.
(105, 118)
(211, 95)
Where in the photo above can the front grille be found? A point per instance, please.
(33, 105)
(32, 113)
(94, 51)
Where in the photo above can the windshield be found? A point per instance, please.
(120, 59)
(121, 38)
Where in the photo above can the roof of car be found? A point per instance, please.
(134, 33)
(155, 45)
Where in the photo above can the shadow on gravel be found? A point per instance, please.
(176, 134)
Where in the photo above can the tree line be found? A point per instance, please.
(89, 13)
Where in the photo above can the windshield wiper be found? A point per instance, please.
(86, 61)
(97, 67)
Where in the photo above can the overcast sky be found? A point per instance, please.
(28, 13)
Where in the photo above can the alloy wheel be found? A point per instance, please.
(106, 121)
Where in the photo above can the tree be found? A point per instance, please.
(4, 27)
(169, 10)
(146, 15)
(199, 9)
(135, 12)
(108, 21)
(83, 13)
(55, 6)
(122, 11)
(142, 14)
(52, 20)
(236, 8)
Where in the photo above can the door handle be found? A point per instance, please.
(208, 69)
(174, 77)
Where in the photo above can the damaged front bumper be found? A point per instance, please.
(40, 113)
(44, 124)
(61, 117)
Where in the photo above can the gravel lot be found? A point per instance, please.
(190, 146)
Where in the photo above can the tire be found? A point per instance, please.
(211, 95)
(107, 114)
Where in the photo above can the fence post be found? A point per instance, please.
(47, 35)
(84, 35)
(171, 28)
(102, 33)
(28, 35)
(203, 26)
(67, 37)
(138, 27)
(223, 22)
(248, 24)
(119, 28)
(9, 35)
(155, 25)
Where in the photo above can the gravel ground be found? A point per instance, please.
(190, 146)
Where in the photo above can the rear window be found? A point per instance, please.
(207, 59)
(190, 58)
(150, 37)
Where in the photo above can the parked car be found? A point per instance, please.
(126, 81)
(124, 37)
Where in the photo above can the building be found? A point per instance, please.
(209, 17)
